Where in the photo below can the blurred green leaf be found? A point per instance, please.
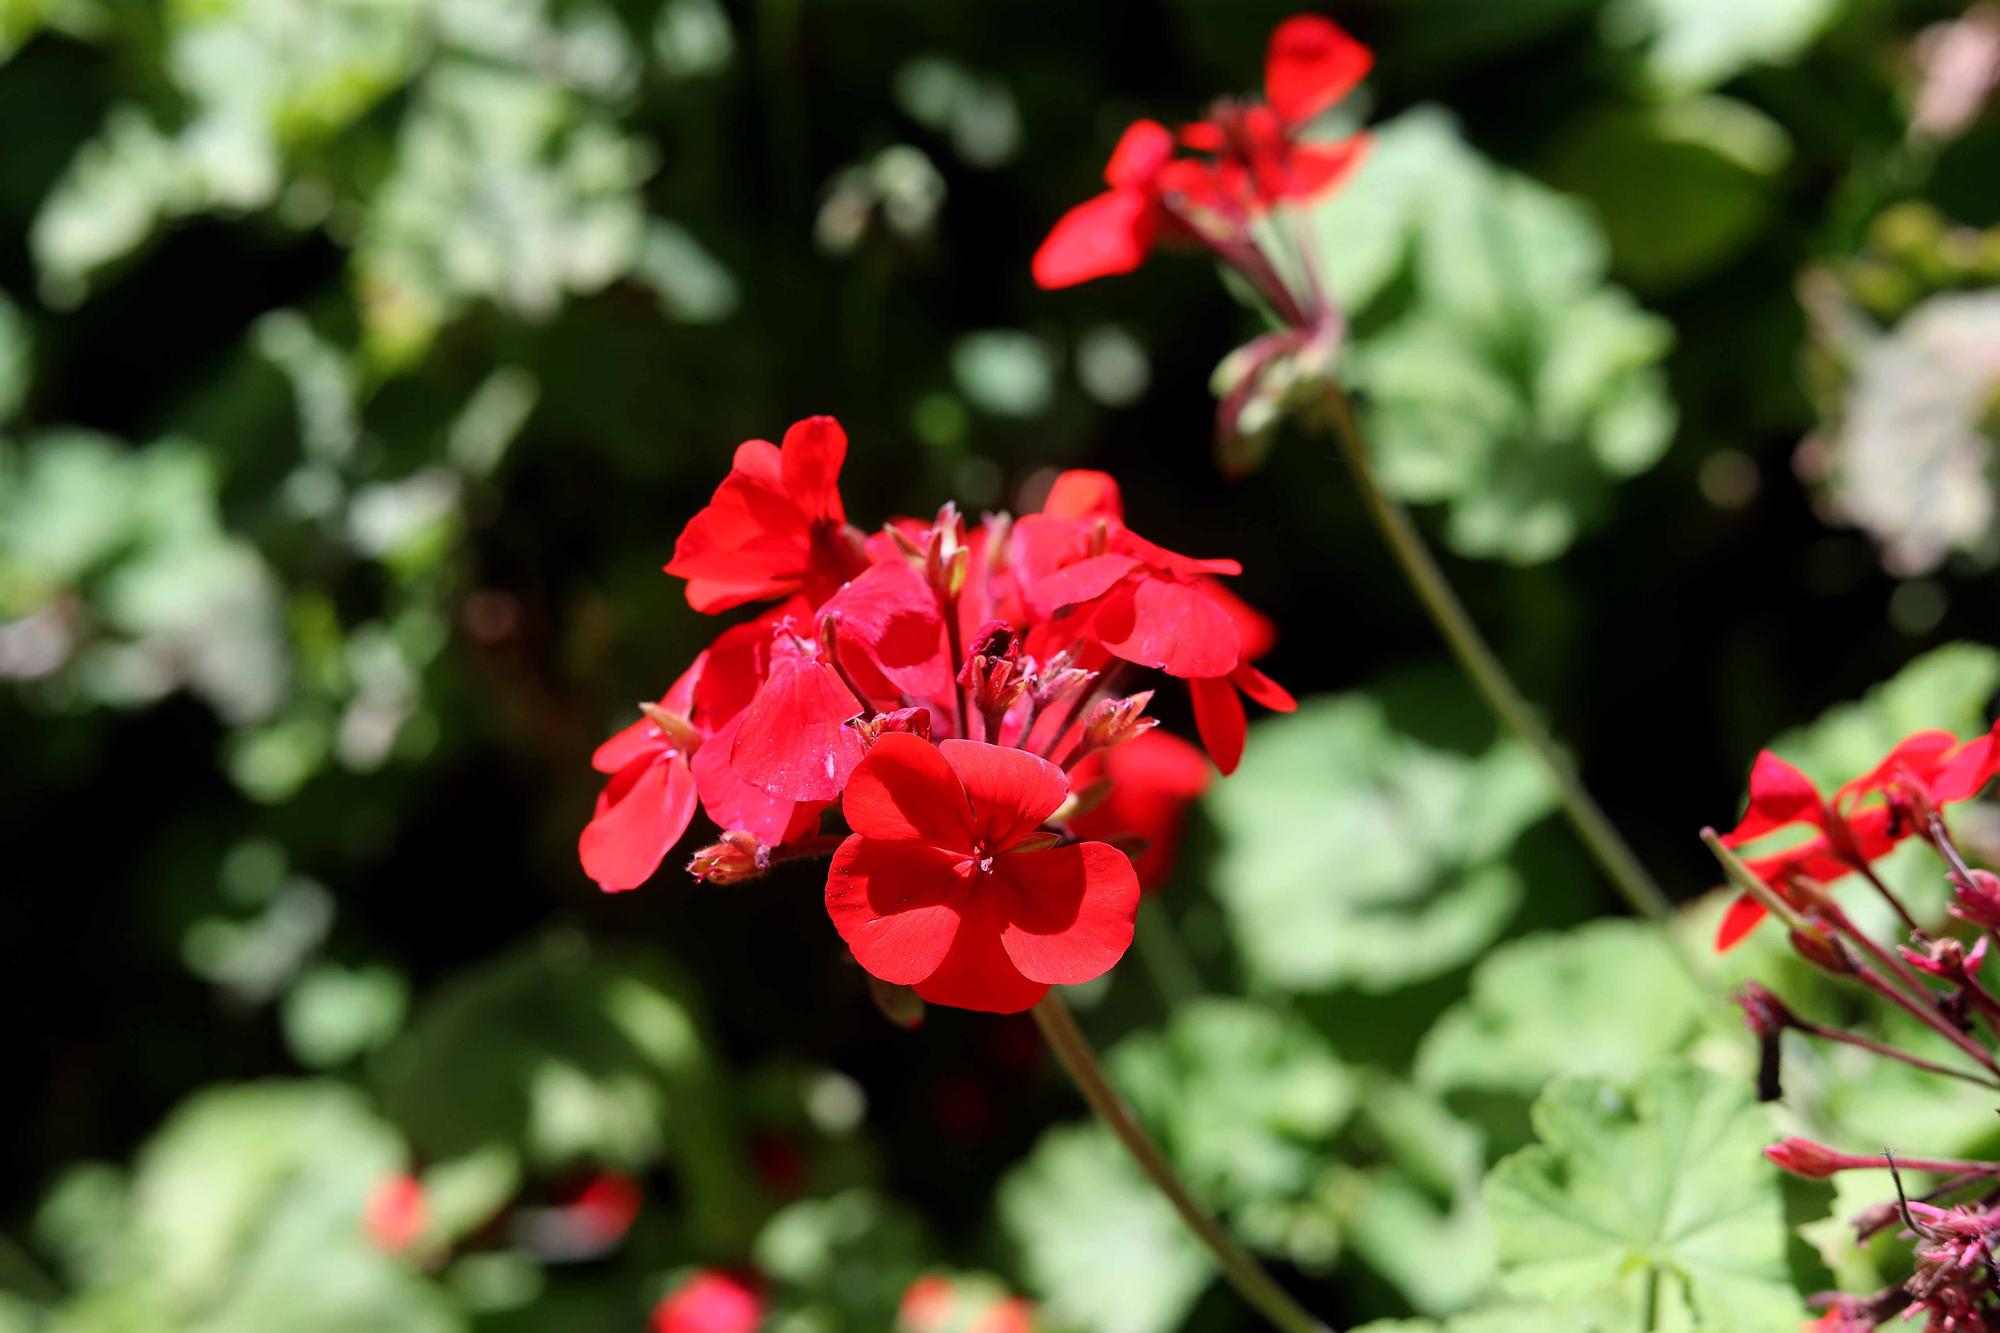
(1505, 379)
(1007, 372)
(1607, 999)
(1098, 1244)
(1357, 854)
(1689, 45)
(844, 1262)
(246, 1216)
(16, 359)
(1680, 188)
(1245, 1103)
(1649, 1210)
(335, 1014)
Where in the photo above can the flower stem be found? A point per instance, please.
(1255, 1285)
(1434, 590)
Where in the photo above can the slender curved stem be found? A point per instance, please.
(1255, 1285)
(1406, 543)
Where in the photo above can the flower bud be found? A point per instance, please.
(1766, 1014)
(1944, 959)
(992, 670)
(899, 1004)
(1978, 901)
(915, 721)
(680, 732)
(736, 858)
(1823, 951)
(1803, 1157)
(1112, 722)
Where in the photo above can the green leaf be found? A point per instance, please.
(335, 1014)
(1243, 1101)
(1680, 188)
(245, 1216)
(1686, 46)
(1098, 1244)
(1607, 999)
(1500, 375)
(1948, 687)
(1357, 854)
(845, 1261)
(1650, 1210)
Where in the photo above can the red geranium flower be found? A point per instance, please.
(711, 1301)
(1865, 819)
(1251, 160)
(775, 526)
(649, 802)
(948, 886)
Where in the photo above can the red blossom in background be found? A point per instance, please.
(397, 1214)
(1863, 820)
(712, 1301)
(1243, 160)
(938, 682)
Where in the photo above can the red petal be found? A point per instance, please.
(1070, 910)
(1306, 171)
(811, 457)
(977, 973)
(1970, 768)
(1169, 625)
(1142, 150)
(1204, 137)
(730, 801)
(793, 741)
(1073, 585)
(1110, 234)
(738, 660)
(628, 744)
(906, 790)
(896, 904)
(1742, 917)
(894, 616)
(1311, 64)
(1081, 493)
(1263, 689)
(1254, 629)
(641, 815)
(1779, 795)
(1154, 778)
(1218, 716)
(750, 542)
(1011, 791)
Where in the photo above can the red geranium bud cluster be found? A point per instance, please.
(1899, 798)
(958, 690)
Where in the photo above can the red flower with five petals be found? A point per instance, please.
(948, 885)
(775, 526)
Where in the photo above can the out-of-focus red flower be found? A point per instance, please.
(712, 1301)
(397, 1214)
(776, 525)
(947, 885)
(1248, 158)
(1152, 782)
(1865, 818)
(934, 1304)
(605, 1208)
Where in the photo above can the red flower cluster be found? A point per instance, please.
(965, 693)
(1245, 159)
(1864, 819)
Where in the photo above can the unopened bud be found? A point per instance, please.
(992, 670)
(912, 721)
(1978, 901)
(1803, 1157)
(680, 732)
(1823, 951)
(736, 858)
(1766, 1014)
(1112, 722)
(1943, 958)
(829, 636)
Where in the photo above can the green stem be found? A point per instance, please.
(1255, 1285)
(1159, 948)
(1406, 543)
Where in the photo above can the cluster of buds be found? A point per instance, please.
(1932, 976)
(946, 686)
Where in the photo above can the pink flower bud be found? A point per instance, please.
(736, 858)
(1112, 722)
(1979, 901)
(1803, 1157)
(1764, 1012)
(915, 721)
